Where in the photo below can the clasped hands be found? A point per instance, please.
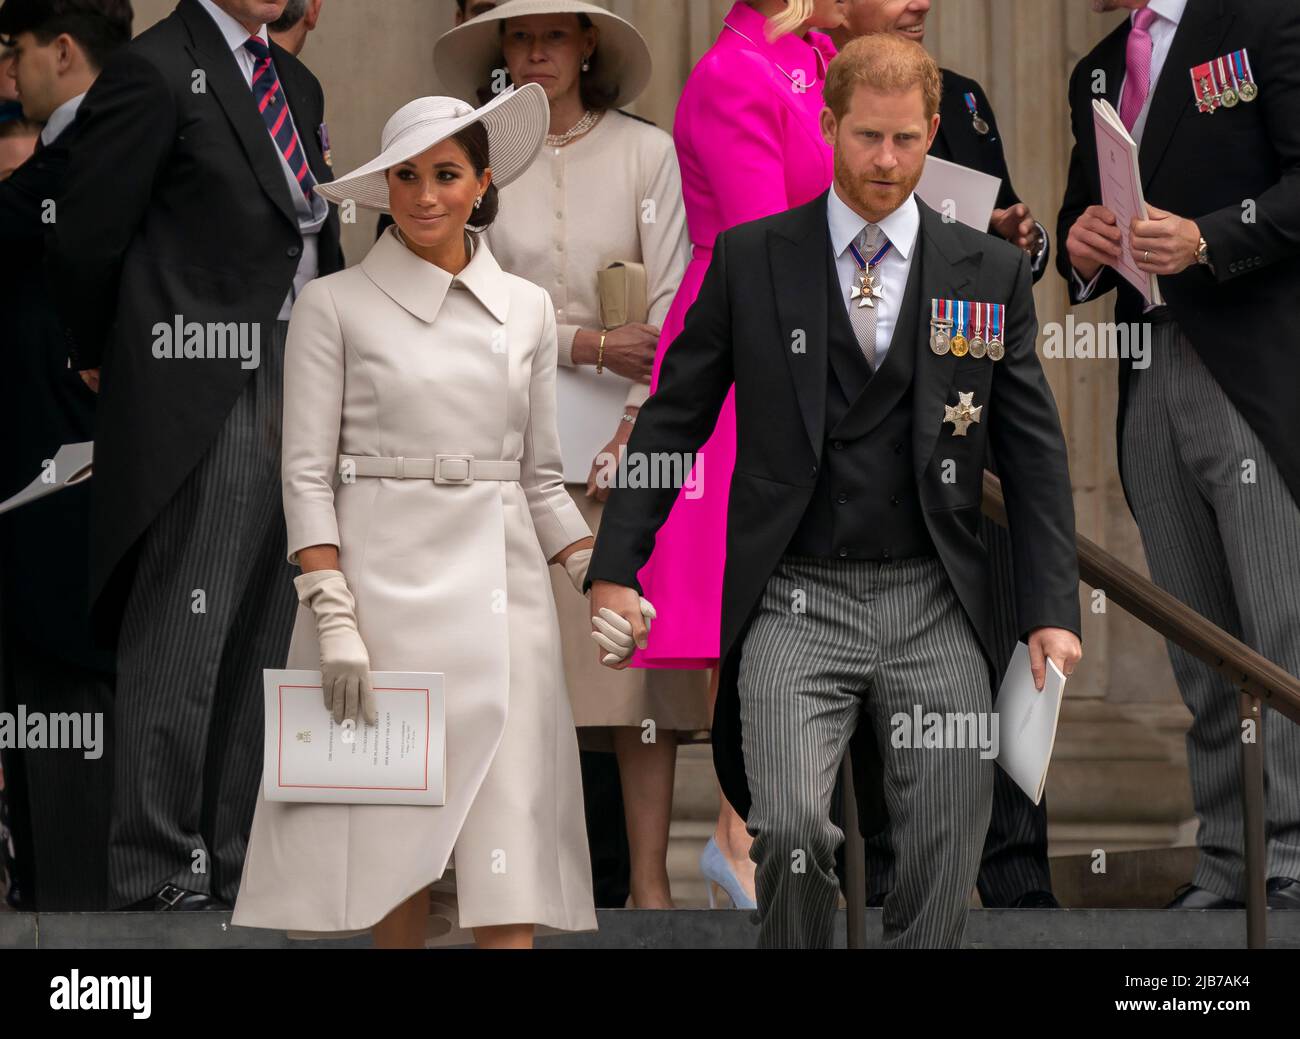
(620, 618)
(1164, 245)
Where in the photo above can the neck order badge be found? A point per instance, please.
(869, 289)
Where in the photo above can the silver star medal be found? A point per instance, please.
(963, 415)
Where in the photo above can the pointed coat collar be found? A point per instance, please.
(420, 286)
(812, 55)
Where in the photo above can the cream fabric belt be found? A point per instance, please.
(440, 469)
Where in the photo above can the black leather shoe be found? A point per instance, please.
(172, 899)
(1036, 900)
(1189, 896)
(1283, 893)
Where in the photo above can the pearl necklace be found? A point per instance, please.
(559, 140)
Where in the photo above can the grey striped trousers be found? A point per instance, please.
(1222, 533)
(189, 688)
(830, 638)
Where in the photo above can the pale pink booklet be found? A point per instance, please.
(1121, 191)
(402, 759)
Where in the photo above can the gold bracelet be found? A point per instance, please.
(600, 354)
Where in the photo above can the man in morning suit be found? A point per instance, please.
(855, 581)
(1207, 448)
(1014, 872)
(59, 797)
(188, 226)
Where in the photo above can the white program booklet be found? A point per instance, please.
(71, 464)
(1121, 191)
(1027, 720)
(400, 760)
(966, 195)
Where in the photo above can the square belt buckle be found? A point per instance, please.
(170, 894)
(453, 469)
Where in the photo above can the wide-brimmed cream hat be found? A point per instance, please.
(465, 58)
(516, 122)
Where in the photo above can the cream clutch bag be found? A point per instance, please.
(622, 290)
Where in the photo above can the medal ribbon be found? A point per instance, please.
(996, 318)
(972, 106)
(1223, 75)
(867, 265)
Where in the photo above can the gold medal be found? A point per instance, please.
(1249, 91)
(1229, 97)
(960, 344)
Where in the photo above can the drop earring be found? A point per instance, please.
(586, 65)
(478, 202)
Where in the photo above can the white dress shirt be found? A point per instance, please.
(901, 228)
(60, 119)
(311, 215)
(1162, 32)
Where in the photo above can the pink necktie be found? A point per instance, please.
(1138, 83)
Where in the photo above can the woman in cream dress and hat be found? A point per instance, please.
(605, 189)
(431, 373)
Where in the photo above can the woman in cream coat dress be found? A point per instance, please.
(396, 361)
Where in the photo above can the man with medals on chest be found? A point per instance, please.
(855, 588)
(1207, 452)
(1015, 871)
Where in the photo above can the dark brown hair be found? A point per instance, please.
(473, 141)
(99, 26)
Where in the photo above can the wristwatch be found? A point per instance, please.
(1203, 254)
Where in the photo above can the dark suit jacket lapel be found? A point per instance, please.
(957, 131)
(226, 83)
(1202, 29)
(947, 272)
(299, 97)
(799, 270)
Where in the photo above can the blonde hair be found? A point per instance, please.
(790, 20)
(882, 61)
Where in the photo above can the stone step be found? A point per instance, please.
(680, 929)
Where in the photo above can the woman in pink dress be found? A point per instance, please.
(749, 144)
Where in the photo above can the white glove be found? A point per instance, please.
(614, 633)
(344, 662)
(576, 567)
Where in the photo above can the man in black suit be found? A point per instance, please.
(50, 662)
(1208, 455)
(189, 224)
(1014, 872)
(855, 582)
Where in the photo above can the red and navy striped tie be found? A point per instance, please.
(269, 96)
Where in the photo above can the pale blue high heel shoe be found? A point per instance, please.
(713, 864)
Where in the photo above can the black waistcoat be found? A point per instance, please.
(865, 504)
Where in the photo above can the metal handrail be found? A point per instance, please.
(1258, 679)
